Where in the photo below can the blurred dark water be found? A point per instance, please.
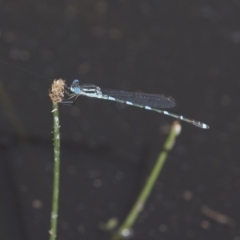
(185, 49)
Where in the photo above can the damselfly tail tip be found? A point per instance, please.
(200, 125)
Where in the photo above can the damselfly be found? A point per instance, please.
(154, 102)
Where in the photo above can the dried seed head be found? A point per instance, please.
(57, 92)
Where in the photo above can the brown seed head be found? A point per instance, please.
(57, 92)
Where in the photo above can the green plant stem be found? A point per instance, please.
(138, 206)
(56, 173)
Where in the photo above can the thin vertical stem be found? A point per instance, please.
(56, 173)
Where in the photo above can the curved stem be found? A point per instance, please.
(125, 229)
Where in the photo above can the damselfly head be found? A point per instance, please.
(75, 87)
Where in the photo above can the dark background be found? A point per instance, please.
(186, 49)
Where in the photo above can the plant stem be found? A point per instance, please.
(56, 173)
(125, 229)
